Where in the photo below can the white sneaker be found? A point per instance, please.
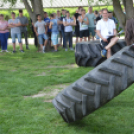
(2, 51)
(66, 49)
(71, 49)
(6, 51)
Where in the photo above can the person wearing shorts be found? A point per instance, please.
(54, 28)
(15, 32)
(91, 18)
(83, 23)
(106, 30)
(77, 29)
(40, 29)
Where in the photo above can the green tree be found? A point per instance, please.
(36, 7)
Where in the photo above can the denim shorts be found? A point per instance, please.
(41, 37)
(16, 35)
(54, 38)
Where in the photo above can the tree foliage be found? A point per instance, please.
(36, 7)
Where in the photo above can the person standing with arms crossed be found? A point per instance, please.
(40, 28)
(14, 24)
(83, 24)
(54, 28)
(23, 27)
(68, 29)
(106, 30)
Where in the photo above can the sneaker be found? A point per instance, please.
(27, 48)
(71, 49)
(2, 51)
(14, 51)
(22, 51)
(103, 53)
(55, 51)
(43, 51)
(66, 49)
(6, 51)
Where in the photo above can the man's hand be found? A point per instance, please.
(37, 34)
(22, 25)
(105, 40)
(45, 33)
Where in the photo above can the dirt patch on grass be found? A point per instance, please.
(13, 70)
(42, 74)
(66, 66)
(48, 101)
(55, 89)
(52, 93)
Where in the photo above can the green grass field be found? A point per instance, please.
(28, 83)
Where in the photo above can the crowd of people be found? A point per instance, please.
(84, 26)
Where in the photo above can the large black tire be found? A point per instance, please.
(97, 87)
(89, 53)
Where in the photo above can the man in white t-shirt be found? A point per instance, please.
(106, 30)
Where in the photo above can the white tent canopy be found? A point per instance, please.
(56, 3)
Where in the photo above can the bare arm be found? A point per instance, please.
(50, 26)
(46, 29)
(86, 22)
(11, 25)
(115, 32)
(80, 19)
(60, 22)
(24, 25)
(17, 25)
(99, 34)
(35, 30)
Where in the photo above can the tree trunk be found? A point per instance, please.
(129, 9)
(122, 17)
(119, 13)
(35, 8)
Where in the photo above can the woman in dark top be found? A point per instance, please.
(77, 29)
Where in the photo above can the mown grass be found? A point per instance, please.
(24, 75)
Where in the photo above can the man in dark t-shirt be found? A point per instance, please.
(77, 29)
(62, 27)
(23, 27)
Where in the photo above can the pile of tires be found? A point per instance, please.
(97, 87)
(89, 53)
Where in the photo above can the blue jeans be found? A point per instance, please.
(68, 37)
(41, 37)
(14, 35)
(3, 39)
(63, 36)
